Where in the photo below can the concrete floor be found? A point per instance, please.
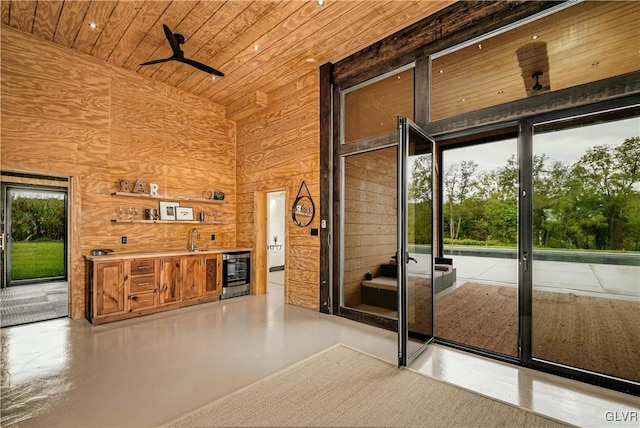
(146, 371)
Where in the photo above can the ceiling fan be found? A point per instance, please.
(175, 40)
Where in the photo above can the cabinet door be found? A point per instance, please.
(213, 275)
(109, 288)
(192, 277)
(170, 280)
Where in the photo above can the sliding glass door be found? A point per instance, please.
(586, 243)
(414, 255)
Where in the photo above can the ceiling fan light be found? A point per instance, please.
(93, 25)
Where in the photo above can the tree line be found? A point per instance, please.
(593, 203)
(37, 219)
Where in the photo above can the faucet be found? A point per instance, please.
(193, 242)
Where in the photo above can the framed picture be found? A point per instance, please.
(184, 213)
(168, 210)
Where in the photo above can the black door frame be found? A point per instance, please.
(6, 231)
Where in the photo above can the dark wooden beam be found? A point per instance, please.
(326, 176)
(576, 96)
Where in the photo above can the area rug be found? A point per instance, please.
(598, 334)
(344, 387)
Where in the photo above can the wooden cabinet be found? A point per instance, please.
(143, 284)
(170, 290)
(192, 277)
(120, 288)
(213, 275)
(109, 291)
(201, 276)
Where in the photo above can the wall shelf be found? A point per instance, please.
(168, 198)
(126, 220)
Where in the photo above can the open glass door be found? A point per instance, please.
(414, 254)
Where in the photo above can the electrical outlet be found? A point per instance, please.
(213, 236)
(123, 240)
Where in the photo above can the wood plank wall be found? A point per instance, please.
(66, 114)
(370, 217)
(277, 149)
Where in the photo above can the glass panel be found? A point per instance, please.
(416, 166)
(372, 109)
(369, 232)
(586, 231)
(477, 303)
(583, 43)
(38, 230)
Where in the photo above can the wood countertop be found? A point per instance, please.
(167, 253)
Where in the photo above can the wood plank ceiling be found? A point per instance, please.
(257, 44)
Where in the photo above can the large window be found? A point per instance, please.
(586, 42)
(372, 108)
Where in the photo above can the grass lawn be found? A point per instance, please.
(37, 259)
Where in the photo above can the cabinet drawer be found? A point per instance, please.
(142, 283)
(142, 267)
(141, 301)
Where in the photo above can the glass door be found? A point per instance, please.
(414, 255)
(34, 240)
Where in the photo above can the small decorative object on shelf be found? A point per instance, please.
(208, 194)
(184, 213)
(218, 195)
(125, 185)
(153, 189)
(168, 210)
(140, 186)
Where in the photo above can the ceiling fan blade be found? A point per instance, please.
(158, 61)
(175, 46)
(201, 66)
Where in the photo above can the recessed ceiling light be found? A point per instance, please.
(441, 71)
(501, 91)
(256, 47)
(93, 25)
(464, 99)
(213, 77)
(479, 45)
(311, 60)
(320, 2)
(534, 37)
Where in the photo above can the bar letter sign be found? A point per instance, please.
(303, 209)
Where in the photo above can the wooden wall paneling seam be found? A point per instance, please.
(98, 13)
(146, 16)
(119, 21)
(22, 14)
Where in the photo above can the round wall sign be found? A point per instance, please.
(303, 211)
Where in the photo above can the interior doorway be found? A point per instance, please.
(34, 253)
(276, 241)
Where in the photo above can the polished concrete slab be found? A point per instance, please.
(146, 371)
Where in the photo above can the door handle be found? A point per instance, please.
(525, 261)
(2, 241)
